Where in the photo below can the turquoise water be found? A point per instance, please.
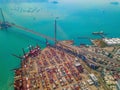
(76, 18)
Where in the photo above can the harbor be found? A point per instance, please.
(64, 67)
(37, 55)
(52, 69)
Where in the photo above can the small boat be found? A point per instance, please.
(101, 32)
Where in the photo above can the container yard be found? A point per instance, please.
(51, 69)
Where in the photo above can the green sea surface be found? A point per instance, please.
(77, 18)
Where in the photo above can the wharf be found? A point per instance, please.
(51, 69)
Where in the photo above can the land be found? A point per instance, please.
(99, 43)
(68, 67)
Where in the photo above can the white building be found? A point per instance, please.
(112, 41)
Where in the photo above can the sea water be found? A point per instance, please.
(76, 18)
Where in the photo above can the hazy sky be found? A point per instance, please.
(67, 1)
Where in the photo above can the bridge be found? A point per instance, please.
(5, 25)
(75, 49)
(31, 31)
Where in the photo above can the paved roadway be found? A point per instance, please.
(31, 31)
(85, 52)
